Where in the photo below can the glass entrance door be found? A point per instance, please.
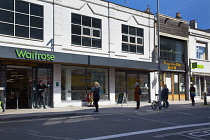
(125, 83)
(18, 86)
(44, 74)
(131, 80)
(176, 85)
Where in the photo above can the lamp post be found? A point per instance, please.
(159, 69)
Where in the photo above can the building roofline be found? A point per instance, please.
(181, 20)
(127, 7)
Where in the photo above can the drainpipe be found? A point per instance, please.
(109, 28)
(53, 39)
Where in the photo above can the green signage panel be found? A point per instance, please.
(34, 55)
(194, 65)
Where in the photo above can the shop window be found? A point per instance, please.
(36, 33)
(86, 31)
(76, 82)
(172, 49)
(207, 78)
(36, 10)
(7, 29)
(7, 4)
(7, 16)
(201, 52)
(132, 39)
(22, 31)
(21, 19)
(28, 21)
(182, 84)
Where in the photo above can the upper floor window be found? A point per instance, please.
(201, 51)
(172, 49)
(22, 19)
(132, 39)
(86, 31)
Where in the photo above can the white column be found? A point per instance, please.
(112, 85)
(57, 85)
(153, 85)
(68, 83)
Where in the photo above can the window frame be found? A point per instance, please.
(129, 36)
(26, 23)
(198, 54)
(82, 35)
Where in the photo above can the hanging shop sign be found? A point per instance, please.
(34, 55)
(192, 79)
(175, 65)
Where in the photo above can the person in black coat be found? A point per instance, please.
(41, 97)
(164, 93)
(192, 94)
(96, 95)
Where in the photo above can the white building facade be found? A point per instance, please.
(199, 46)
(70, 44)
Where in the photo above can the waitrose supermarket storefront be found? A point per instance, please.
(70, 76)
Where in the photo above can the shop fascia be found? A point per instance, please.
(34, 55)
(195, 65)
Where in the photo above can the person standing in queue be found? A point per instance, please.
(137, 93)
(41, 95)
(192, 94)
(96, 95)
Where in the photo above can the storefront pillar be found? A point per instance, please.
(68, 82)
(187, 83)
(153, 85)
(112, 85)
(57, 85)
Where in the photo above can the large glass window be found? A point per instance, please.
(172, 49)
(78, 81)
(132, 39)
(125, 83)
(201, 51)
(26, 24)
(86, 31)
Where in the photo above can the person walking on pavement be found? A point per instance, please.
(192, 94)
(41, 95)
(164, 93)
(137, 93)
(96, 95)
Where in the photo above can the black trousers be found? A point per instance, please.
(95, 101)
(41, 100)
(137, 104)
(193, 99)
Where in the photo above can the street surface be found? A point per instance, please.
(191, 123)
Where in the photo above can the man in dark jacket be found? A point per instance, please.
(164, 94)
(41, 96)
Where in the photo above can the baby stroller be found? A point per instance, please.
(89, 99)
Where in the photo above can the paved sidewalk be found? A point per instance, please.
(17, 114)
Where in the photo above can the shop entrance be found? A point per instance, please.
(125, 83)
(176, 85)
(18, 87)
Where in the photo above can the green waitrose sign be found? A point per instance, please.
(33, 55)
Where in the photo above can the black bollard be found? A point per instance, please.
(205, 99)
